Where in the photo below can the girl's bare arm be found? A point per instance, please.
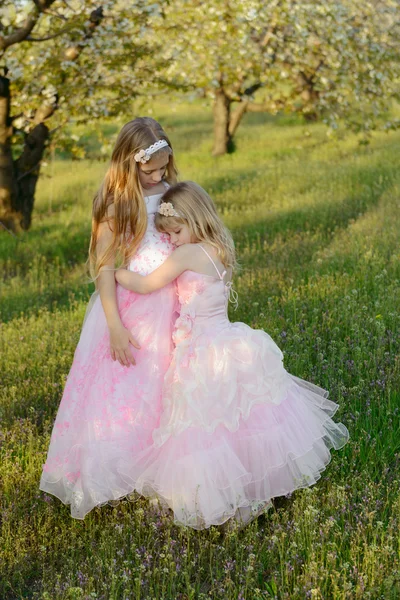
(120, 337)
(182, 259)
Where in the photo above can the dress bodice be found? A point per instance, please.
(155, 247)
(205, 295)
(203, 303)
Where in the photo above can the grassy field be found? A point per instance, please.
(316, 224)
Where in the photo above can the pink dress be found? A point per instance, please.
(108, 412)
(236, 429)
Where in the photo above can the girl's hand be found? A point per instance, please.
(120, 338)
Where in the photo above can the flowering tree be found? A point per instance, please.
(60, 59)
(331, 60)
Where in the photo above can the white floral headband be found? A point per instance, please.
(143, 156)
(167, 210)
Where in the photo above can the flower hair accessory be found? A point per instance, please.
(143, 156)
(167, 210)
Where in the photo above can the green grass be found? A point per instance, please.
(316, 224)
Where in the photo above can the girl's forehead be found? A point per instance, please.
(159, 160)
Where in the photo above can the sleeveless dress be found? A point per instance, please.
(108, 411)
(237, 429)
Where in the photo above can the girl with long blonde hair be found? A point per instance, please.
(236, 428)
(112, 398)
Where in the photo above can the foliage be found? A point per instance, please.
(316, 226)
(336, 60)
(86, 77)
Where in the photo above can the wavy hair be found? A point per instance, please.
(119, 200)
(198, 212)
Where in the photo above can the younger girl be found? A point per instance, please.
(110, 407)
(236, 428)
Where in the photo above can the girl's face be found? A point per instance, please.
(181, 235)
(152, 172)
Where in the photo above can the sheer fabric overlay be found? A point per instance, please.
(108, 412)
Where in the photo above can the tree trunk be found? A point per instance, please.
(309, 96)
(18, 178)
(8, 190)
(27, 169)
(222, 137)
(237, 116)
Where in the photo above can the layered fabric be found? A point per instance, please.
(236, 428)
(108, 412)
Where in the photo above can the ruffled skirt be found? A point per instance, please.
(236, 430)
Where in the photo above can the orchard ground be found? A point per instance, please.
(316, 226)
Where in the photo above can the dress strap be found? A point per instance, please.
(219, 274)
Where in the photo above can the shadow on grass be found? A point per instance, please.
(224, 183)
(15, 304)
(51, 242)
(324, 217)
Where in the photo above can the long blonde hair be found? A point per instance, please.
(120, 201)
(198, 212)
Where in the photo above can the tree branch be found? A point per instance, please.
(252, 88)
(23, 32)
(26, 173)
(57, 15)
(308, 81)
(95, 18)
(9, 231)
(15, 117)
(49, 37)
(68, 5)
(239, 95)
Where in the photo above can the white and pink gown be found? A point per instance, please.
(236, 429)
(108, 412)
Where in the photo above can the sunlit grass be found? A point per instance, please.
(316, 224)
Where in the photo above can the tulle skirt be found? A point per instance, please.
(236, 430)
(108, 412)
